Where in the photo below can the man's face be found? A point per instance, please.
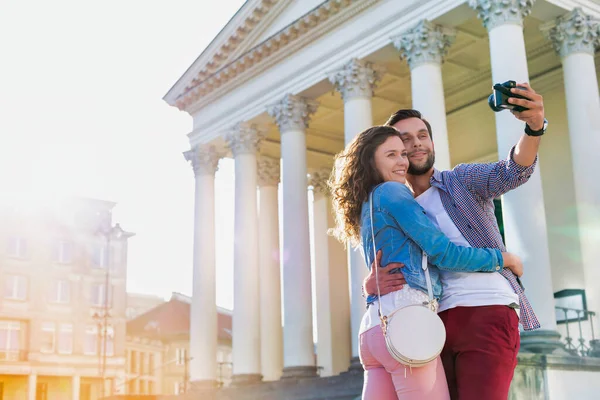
(419, 146)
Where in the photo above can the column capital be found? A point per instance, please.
(244, 138)
(494, 13)
(269, 171)
(292, 112)
(425, 43)
(357, 78)
(204, 159)
(574, 32)
(318, 180)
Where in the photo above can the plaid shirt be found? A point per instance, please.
(467, 193)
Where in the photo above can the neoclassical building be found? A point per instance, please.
(286, 84)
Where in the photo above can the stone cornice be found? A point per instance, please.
(311, 25)
(575, 32)
(358, 78)
(425, 43)
(244, 138)
(494, 13)
(220, 50)
(269, 171)
(204, 159)
(292, 112)
(318, 180)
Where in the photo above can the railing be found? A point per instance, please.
(579, 334)
(13, 355)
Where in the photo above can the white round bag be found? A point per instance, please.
(414, 334)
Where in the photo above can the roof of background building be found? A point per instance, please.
(172, 319)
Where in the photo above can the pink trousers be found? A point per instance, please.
(387, 379)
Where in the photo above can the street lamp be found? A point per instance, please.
(116, 233)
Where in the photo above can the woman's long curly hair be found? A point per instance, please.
(353, 177)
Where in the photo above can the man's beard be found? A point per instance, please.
(424, 168)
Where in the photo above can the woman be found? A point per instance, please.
(376, 161)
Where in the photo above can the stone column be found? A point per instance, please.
(522, 209)
(75, 387)
(576, 36)
(243, 141)
(271, 331)
(331, 284)
(356, 82)
(203, 309)
(292, 115)
(31, 387)
(424, 48)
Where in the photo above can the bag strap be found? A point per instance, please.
(424, 265)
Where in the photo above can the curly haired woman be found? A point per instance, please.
(376, 161)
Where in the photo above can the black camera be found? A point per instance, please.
(498, 100)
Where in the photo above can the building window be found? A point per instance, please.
(100, 256)
(65, 339)
(85, 391)
(180, 356)
(41, 391)
(133, 362)
(90, 346)
(150, 387)
(64, 252)
(60, 292)
(98, 293)
(179, 388)
(48, 337)
(132, 388)
(15, 287)
(17, 247)
(151, 364)
(10, 335)
(93, 346)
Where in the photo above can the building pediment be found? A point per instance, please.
(259, 30)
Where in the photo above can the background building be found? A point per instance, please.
(56, 340)
(286, 84)
(138, 303)
(158, 349)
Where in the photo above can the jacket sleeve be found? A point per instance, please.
(396, 200)
(492, 180)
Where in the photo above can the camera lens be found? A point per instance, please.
(492, 103)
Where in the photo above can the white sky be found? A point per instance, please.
(81, 112)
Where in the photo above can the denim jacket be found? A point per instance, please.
(403, 231)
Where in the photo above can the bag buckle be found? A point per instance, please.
(384, 323)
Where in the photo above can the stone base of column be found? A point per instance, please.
(542, 342)
(355, 365)
(299, 372)
(245, 379)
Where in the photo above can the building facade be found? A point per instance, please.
(56, 339)
(287, 84)
(158, 352)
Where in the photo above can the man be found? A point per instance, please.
(480, 311)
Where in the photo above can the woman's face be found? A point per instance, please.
(391, 160)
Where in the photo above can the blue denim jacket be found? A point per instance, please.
(403, 231)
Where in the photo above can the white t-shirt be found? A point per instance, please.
(466, 289)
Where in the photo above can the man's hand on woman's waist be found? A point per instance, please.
(387, 282)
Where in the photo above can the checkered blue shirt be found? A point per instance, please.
(467, 193)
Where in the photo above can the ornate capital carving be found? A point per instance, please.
(268, 171)
(575, 32)
(244, 138)
(204, 159)
(425, 43)
(318, 180)
(357, 78)
(499, 12)
(292, 112)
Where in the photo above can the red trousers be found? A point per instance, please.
(481, 349)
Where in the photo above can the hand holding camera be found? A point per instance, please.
(522, 101)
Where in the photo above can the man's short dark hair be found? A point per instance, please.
(406, 114)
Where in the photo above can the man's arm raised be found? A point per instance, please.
(527, 148)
